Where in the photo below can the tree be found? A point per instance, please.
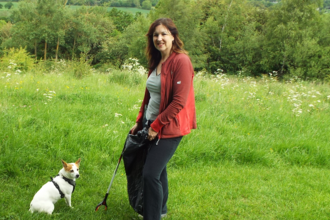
(186, 14)
(292, 26)
(48, 26)
(25, 29)
(50, 22)
(88, 29)
(146, 5)
(4, 31)
(326, 4)
(154, 2)
(120, 19)
(131, 43)
(9, 5)
(232, 35)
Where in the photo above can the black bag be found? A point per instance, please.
(134, 155)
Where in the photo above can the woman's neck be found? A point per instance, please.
(165, 56)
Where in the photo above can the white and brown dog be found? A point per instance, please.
(61, 186)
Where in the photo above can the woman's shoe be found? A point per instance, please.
(162, 216)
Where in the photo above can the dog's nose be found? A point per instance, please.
(77, 175)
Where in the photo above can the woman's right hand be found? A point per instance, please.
(135, 128)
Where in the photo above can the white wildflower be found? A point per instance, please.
(117, 115)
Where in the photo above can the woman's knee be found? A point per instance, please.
(150, 176)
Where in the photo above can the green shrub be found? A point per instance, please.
(16, 59)
(82, 67)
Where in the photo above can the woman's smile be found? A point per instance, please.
(163, 38)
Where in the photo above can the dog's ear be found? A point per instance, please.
(78, 162)
(64, 163)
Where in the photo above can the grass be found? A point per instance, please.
(260, 150)
(132, 10)
(125, 9)
(4, 3)
(4, 12)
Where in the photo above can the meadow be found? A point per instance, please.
(260, 151)
(4, 12)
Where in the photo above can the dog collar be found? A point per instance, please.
(57, 187)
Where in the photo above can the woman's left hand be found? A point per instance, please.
(151, 134)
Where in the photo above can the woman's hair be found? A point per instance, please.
(153, 55)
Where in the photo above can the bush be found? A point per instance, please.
(16, 59)
(82, 67)
(9, 5)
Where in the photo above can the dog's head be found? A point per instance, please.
(71, 169)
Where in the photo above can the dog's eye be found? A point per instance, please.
(71, 171)
(77, 169)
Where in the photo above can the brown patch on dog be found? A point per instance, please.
(67, 167)
(77, 163)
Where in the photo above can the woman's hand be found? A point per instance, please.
(135, 128)
(151, 134)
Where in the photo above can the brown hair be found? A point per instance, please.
(153, 55)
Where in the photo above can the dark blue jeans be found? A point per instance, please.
(155, 189)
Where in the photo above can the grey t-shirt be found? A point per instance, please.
(153, 86)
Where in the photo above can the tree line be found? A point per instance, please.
(289, 38)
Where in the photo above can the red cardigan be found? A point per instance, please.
(177, 114)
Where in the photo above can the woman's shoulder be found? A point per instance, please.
(180, 62)
(182, 58)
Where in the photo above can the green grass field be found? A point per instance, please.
(4, 12)
(129, 10)
(260, 151)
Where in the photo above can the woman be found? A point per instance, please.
(169, 109)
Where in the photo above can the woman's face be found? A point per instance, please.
(163, 39)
